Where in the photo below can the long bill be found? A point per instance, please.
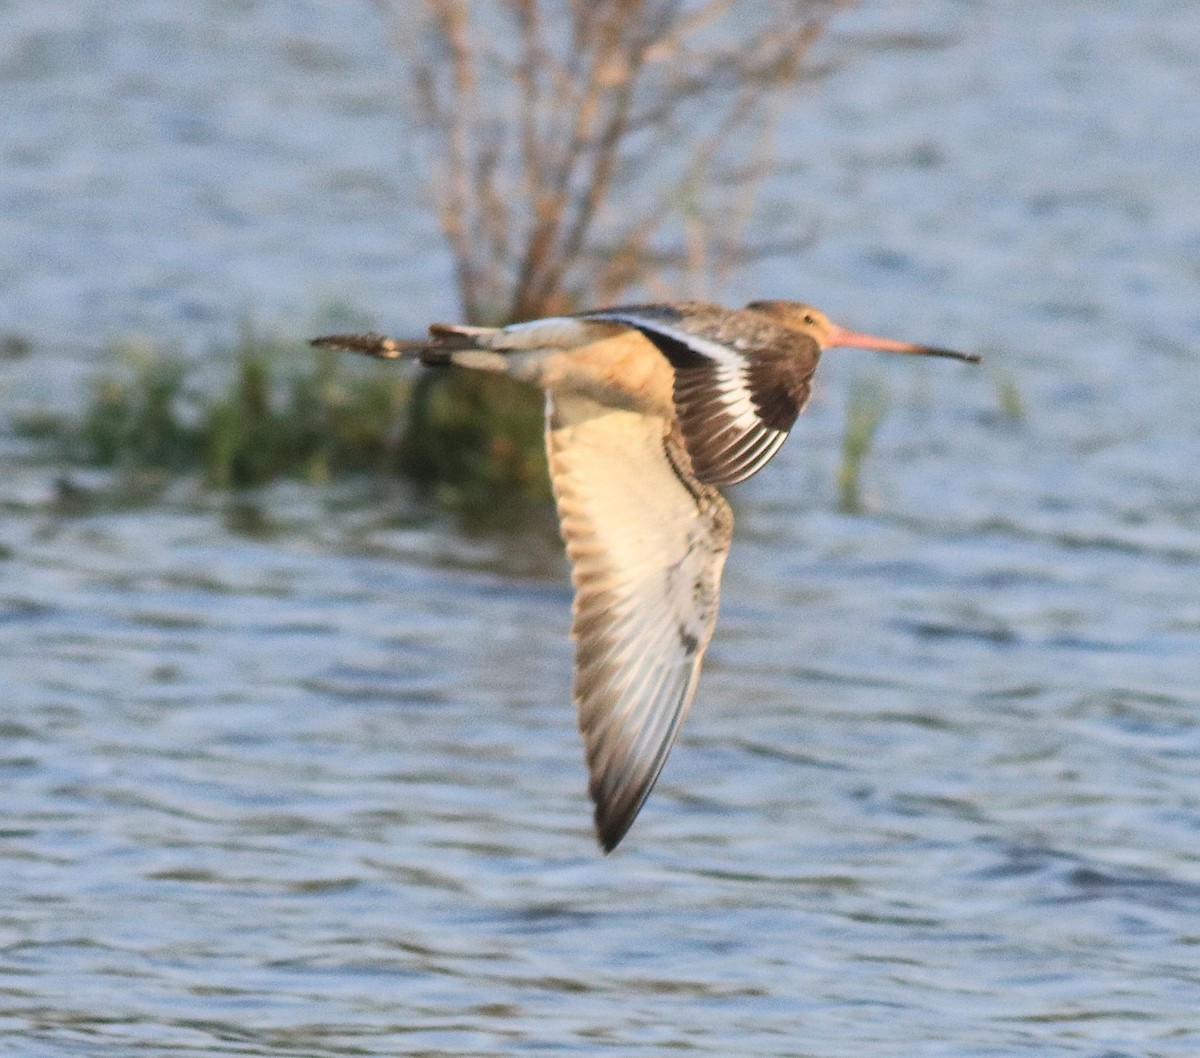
(842, 336)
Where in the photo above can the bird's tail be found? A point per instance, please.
(447, 343)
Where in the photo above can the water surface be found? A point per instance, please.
(316, 790)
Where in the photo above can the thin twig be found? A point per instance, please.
(574, 139)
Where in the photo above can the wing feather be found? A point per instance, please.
(739, 377)
(647, 543)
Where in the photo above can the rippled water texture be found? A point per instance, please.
(317, 790)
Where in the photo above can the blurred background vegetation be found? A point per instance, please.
(572, 157)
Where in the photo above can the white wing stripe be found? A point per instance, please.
(705, 347)
(552, 332)
(734, 456)
(735, 448)
(766, 455)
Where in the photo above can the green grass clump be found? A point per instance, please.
(285, 410)
(294, 411)
(133, 417)
(476, 439)
(1008, 397)
(866, 408)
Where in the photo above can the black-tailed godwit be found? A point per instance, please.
(649, 410)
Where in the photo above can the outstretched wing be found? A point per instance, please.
(647, 543)
(740, 381)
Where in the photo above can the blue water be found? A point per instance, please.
(316, 790)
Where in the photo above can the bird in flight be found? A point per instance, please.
(650, 410)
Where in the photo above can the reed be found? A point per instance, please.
(1008, 397)
(866, 407)
(268, 409)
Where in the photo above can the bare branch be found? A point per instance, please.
(574, 140)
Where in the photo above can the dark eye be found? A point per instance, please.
(809, 318)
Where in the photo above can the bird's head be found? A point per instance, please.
(827, 334)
